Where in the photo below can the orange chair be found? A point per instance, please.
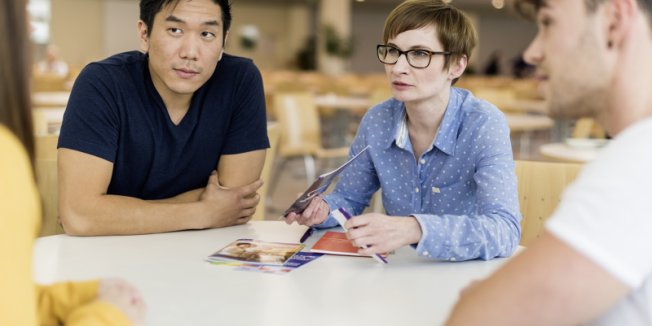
(299, 122)
(540, 186)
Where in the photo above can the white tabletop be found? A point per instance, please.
(334, 101)
(45, 99)
(566, 153)
(528, 122)
(525, 106)
(180, 288)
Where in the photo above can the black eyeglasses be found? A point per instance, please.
(418, 58)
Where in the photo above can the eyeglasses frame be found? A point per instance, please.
(400, 53)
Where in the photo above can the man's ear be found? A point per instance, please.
(457, 67)
(143, 38)
(226, 38)
(619, 17)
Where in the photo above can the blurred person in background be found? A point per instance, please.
(103, 302)
(52, 64)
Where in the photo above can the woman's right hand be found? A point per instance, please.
(316, 213)
(125, 297)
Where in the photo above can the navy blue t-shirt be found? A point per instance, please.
(115, 113)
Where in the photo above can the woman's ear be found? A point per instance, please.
(143, 38)
(457, 67)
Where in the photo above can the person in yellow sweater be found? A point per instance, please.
(103, 302)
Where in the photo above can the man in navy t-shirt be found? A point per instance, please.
(168, 139)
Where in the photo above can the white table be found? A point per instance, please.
(566, 153)
(526, 125)
(181, 289)
(525, 106)
(356, 104)
(45, 99)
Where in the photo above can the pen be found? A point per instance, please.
(306, 235)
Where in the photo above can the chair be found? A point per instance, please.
(273, 133)
(47, 182)
(298, 120)
(50, 83)
(47, 121)
(540, 185)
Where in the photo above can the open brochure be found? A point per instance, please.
(256, 252)
(318, 187)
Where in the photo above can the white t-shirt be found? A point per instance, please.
(606, 214)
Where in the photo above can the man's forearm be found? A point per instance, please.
(120, 215)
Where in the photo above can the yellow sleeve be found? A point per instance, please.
(97, 313)
(20, 213)
(19, 222)
(57, 301)
(74, 303)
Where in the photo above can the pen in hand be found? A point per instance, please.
(341, 215)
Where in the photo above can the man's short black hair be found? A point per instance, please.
(149, 9)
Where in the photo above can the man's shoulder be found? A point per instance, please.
(118, 64)
(122, 59)
(235, 64)
(235, 60)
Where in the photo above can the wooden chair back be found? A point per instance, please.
(298, 118)
(273, 133)
(540, 186)
(47, 182)
(47, 120)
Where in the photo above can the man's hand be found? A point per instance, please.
(229, 206)
(382, 233)
(125, 297)
(316, 213)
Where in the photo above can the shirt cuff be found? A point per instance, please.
(330, 221)
(420, 246)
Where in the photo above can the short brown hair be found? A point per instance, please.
(454, 29)
(15, 106)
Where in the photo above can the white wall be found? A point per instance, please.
(119, 28)
(76, 28)
(367, 28)
(495, 30)
(283, 29)
(93, 29)
(509, 34)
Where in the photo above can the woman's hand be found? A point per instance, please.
(316, 213)
(125, 297)
(382, 233)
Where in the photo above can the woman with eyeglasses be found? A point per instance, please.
(442, 158)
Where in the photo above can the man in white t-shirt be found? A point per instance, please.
(593, 265)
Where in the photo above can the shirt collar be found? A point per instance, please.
(446, 138)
